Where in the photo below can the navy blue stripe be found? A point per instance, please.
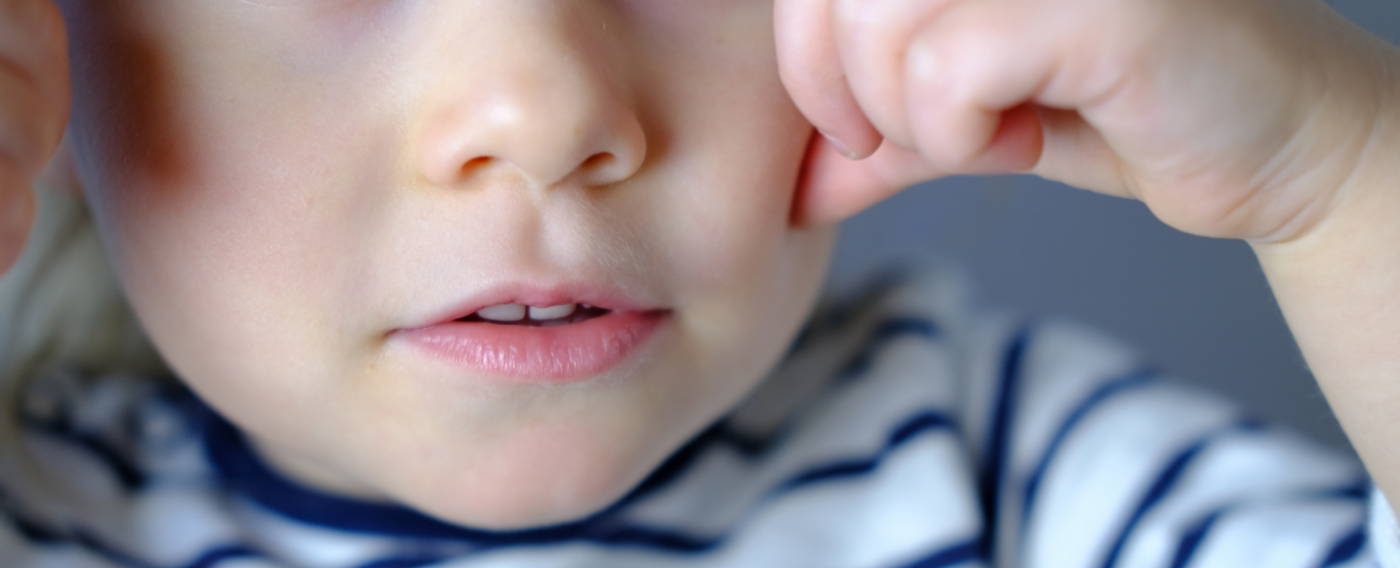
(94, 544)
(406, 562)
(659, 539)
(673, 469)
(1166, 481)
(884, 332)
(719, 434)
(993, 472)
(879, 337)
(923, 422)
(951, 556)
(214, 557)
(48, 538)
(51, 538)
(35, 533)
(752, 447)
(209, 559)
(1346, 548)
(1193, 536)
(128, 475)
(1104, 392)
(1191, 539)
(31, 531)
(838, 315)
(676, 541)
(245, 470)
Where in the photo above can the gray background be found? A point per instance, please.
(1199, 308)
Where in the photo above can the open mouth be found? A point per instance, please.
(537, 336)
(547, 316)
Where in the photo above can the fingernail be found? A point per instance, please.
(838, 145)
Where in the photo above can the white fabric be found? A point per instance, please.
(1385, 535)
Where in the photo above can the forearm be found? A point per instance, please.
(1339, 289)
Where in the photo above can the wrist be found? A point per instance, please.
(1345, 157)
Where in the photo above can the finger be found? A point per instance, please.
(833, 188)
(872, 37)
(1075, 153)
(972, 77)
(810, 67)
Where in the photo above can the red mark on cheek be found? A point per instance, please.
(123, 109)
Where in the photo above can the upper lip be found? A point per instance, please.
(604, 297)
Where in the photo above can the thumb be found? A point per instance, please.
(833, 187)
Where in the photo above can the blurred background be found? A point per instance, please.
(1198, 308)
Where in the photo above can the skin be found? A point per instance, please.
(256, 177)
(282, 186)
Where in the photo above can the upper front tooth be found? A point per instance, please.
(503, 312)
(552, 312)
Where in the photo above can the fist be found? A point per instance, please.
(34, 101)
(1229, 118)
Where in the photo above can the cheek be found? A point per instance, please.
(235, 233)
(122, 84)
(749, 277)
(732, 193)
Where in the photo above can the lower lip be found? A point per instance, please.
(560, 353)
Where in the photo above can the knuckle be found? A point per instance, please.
(855, 18)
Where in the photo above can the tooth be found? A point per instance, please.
(502, 312)
(552, 312)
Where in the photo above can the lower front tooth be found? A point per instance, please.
(551, 312)
(502, 312)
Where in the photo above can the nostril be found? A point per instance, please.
(474, 164)
(598, 161)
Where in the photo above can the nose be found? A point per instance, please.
(537, 93)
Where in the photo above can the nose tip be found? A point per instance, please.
(551, 123)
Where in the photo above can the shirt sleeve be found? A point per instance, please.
(1089, 457)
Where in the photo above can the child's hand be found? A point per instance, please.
(34, 101)
(1271, 120)
(1238, 118)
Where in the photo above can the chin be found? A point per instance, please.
(538, 488)
(523, 506)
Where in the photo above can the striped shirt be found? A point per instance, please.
(906, 428)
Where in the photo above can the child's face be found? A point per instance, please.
(292, 190)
